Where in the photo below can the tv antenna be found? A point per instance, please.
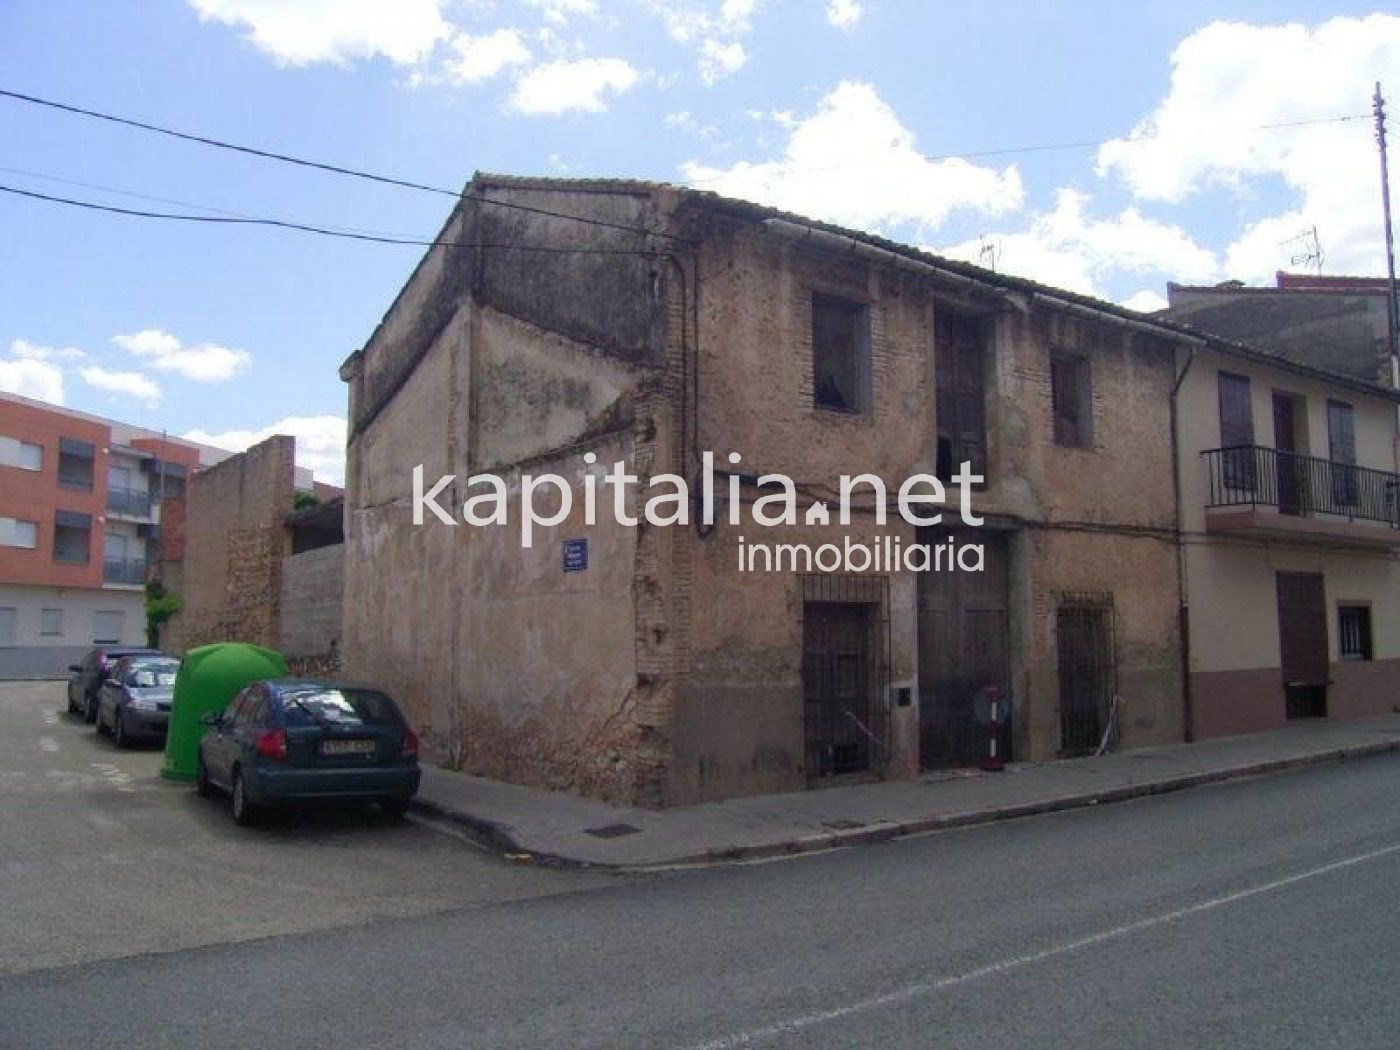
(989, 254)
(1309, 251)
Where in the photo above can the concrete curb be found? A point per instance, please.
(499, 837)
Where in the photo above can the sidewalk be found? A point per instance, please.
(553, 827)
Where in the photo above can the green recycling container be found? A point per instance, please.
(209, 678)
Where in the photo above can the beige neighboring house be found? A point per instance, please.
(642, 664)
(1291, 527)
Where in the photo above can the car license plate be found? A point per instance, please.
(347, 747)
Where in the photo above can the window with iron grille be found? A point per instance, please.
(1088, 670)
(959, 371)
(840, 354)
(1072, 398)
(1354, 632)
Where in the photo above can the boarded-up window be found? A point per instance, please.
(1341, 441)
(960, 393)
(1236, 430)
(840, 354)
(1072, 399)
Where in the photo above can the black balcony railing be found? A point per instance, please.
(124, 570)
(134, 503)
(1254, 476)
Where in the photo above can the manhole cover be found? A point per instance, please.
(611, 831)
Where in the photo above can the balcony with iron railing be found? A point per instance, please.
(127, 571)
(1253, 489)
(129, 503)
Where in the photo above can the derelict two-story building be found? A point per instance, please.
(560, 327)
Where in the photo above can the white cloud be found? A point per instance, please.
(1067, 249)
(560, 11)
(302, 32)
(1229, 78)
(685, 120)
(320, 442)
(854, 163)
(129, 384)
(713, 31)
(32, 378)
(557, 87)
(1146, 301)
(843, 13)
(25, 350)
(480, 58)
(718, 61)
(203, 363)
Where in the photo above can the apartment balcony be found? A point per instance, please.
(1270, 494)
(129, 503)
(124, 571)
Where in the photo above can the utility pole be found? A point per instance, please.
(1392, 304)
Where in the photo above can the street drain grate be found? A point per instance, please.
(611, 831)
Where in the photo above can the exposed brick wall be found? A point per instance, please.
(235, 546)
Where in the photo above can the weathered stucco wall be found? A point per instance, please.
(313, 594)
(511, 667)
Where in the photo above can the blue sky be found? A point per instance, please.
(920, 121)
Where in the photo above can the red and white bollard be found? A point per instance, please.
(993, 762)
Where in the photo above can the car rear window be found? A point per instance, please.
(340, 707)
(148, 674)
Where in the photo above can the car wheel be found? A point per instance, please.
(119, 736)
(244, 813)
(203, 786)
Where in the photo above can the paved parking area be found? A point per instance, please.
(100, 857)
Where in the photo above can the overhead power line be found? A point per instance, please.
(324, 231)
(334, 169)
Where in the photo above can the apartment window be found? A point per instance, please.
(51, 622)
(1341, 441)
(1072, 398)
(21, 454)
(1354, 631)
(840, 354)
(14, 532)
(1236, 430)
(75, 463)
(72, 535)
(959, 395)
(107, 627)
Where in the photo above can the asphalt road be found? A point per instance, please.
(100, 857)
(1253, 913)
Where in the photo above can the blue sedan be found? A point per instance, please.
(296, 739)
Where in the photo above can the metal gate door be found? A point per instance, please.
(841, 675)
(964, 650)
(1084, 644)
(1302, 635)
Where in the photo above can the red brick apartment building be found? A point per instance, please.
(80, 500)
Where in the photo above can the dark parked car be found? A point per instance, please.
(88, 676)
(134, 702)
(297, 739)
